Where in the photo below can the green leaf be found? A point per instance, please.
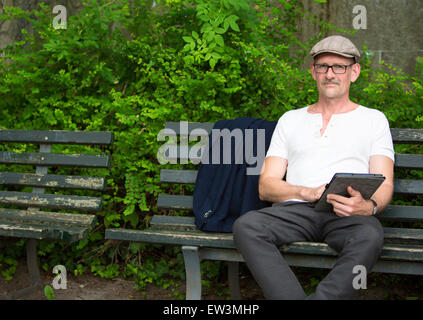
(231, 20)
(234, 26)
(219, 40)
(48, 292)
(219, 30)
(195, 35)
(204, 17)
(216, 55)
(187, 47)
(188, 39)
(129, 210)
(212, 63)
(206, 28)
(226, 25)
(226, 4)
(210, 36)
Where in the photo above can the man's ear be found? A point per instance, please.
(313, 74)
(356, 68)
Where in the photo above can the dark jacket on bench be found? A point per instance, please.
(223, 192)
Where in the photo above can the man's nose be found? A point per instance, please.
(330, 74)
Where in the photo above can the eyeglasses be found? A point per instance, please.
(336, 68)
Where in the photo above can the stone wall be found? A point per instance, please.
(10, 31)
(393, 32)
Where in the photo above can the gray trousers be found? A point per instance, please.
(258, 234)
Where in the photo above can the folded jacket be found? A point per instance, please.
(223, 192)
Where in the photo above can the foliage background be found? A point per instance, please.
(130, 66)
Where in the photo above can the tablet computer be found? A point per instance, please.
(365, 183)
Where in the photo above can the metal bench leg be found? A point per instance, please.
(233, 278)
(193, 272)
(33, 270)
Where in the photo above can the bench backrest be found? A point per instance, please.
(12, 178)
(392, 213)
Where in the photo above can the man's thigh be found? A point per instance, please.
(337, 231)
(282, 223)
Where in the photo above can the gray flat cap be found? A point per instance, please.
(338, 45)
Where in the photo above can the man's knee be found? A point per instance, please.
(246, 227)
(370, 234)
(373, 232)
(242, 224)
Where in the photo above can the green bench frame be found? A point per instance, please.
(402, 252)
(30, 222)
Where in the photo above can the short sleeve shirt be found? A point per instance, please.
(347, 144)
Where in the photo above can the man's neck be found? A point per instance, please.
(333, 106)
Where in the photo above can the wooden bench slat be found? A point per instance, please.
(407, 136)
(402, 186)
(168, 201)
(52, 181)
(57, 137)
(391, 213)
(55, 159)
(185, 153)
(402, 213)
(201, 239)
(182, 154)
(160, 222)
(50, 201)
(20, 231)
(66, 233)
(25, 229)
(407, 186)
(178, 176)
(81, 220)
(225, 240)
(409, 161)
(403, 235)
(175, 223)
(389, 251)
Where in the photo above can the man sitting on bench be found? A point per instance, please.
(310, 145)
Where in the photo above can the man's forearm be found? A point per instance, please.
(277, 190)
(383, 195)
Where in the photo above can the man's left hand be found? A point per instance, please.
(355, 205)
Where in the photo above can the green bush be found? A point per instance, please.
(128, 67)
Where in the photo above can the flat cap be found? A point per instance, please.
(338, 45)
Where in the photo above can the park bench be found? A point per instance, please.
(403, 227)
(22, 190)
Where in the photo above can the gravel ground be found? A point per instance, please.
(90, 287)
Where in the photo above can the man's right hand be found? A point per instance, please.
(312, 194)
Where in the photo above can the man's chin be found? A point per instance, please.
(331, 94)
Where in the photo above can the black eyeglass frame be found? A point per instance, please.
(331, 67)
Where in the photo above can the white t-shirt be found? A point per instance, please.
(346, 145)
